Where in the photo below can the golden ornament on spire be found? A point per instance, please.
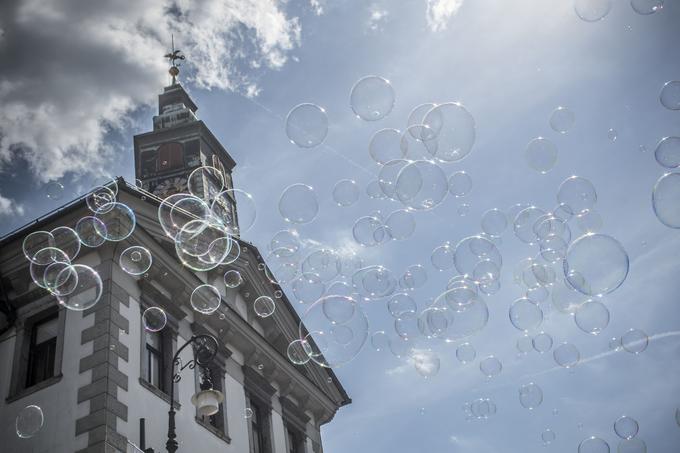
(173, 56)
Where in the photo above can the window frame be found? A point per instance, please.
(28, 318)
(168, 339)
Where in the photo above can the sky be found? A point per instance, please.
(78, 82)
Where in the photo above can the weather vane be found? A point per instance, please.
(173, 56)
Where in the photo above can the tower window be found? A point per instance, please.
(170, 156)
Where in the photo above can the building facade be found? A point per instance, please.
(103, 380)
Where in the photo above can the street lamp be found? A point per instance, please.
(207, 400)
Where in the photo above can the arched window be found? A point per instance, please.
(170, 156)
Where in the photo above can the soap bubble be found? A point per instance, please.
(308, 288)
(325, 319)
(307, 125)
(525, 314)
(494, 222)
(297, 352)
(666, 199)
(54, 190)
(88, 229)
(66, 239)
(380, 341)
(386, 145)
(135, 260)
(634, 445)
(548, 436)
(264, 306)
(154, 319)
(454, 129)
(99, 197)
(87, 292)
(635, 341)
(566, 299)
(369, 231)
(592, 317)
(372, 98)
(460, 184)
(589, 221)
(646, 7)
(524, 344)
(593, 445)
(388, 174)
(222, 208)
(232, 278)
(29, 421)
(401, 224)
(596, 264)
(670, 95)
(490, 366)
(285, 243)
(298, 204)
(566, 355)
(417, 115)
(118, 219)
(346, 192)
(421, 185)
(205, 299)
(542, 342)
(562, 119)
(472, 250)
(465, 353)
(418, 143)
(541, 155)
(592, 11)
(626, 427)
(401, 303)
(530, 396)
(667, 152)
(325, 263)
(414, 277)
(205, 182)
(576, 194)
(524, 222)
(442, 257)
(374, 282)
(35, 242)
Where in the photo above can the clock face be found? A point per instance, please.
(170, 186)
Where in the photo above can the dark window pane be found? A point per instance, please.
(148, 163)
(170, 156)
(192, 156)
(42, 351)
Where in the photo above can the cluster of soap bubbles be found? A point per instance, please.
(666, 191)
(52, 254)
(479, 409)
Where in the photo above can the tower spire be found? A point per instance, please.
(173, 56)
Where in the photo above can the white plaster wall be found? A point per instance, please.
(57, 401)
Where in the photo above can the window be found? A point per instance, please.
(259, 428)
(38, 348)
(170, 156)
(148, 163)
(154, 360)
(42, 351)
(192, 156)
(294, 441)
(217, 420)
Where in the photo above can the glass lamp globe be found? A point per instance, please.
(207, 402)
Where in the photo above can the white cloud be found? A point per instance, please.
(10, 208)
(78, 70)
(438, 13)
(317, 6)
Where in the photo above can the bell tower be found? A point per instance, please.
(179, 144)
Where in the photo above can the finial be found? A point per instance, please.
(173, 56)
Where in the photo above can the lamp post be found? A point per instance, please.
(207, 400)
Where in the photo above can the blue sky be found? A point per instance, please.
(511, 64)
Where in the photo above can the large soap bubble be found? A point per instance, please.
(372, 98)
(596, 264)
(421, 185)
(592, 10)
(135, 260)
(593, 445)
(666, 199)
(87, 292)
(541, 155)
(670, 95)
(646, 7)
(385, 145)
(667, 152)
(307, 125)
(576, 194)
(205, 299)
(118, 219)
(29, 421)
(338, 329)
(298, 204)
(562, 119)
(454, 129)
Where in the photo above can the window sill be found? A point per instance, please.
(34, 388)
(158, 392)
(213, 430)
